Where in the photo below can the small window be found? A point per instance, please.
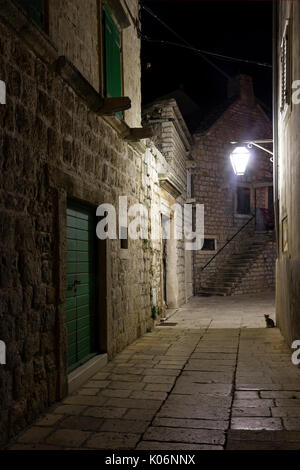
(285, 68)
(209, 244)
(188, 184)
(285, 235)
(124, 238)
(36, 9)
(270, 198)
(112, 58)
(243, 201)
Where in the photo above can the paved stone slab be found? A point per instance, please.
(149, 395)
(259, 445)
(287, 411)
(153, 405)
(245, 395)
(35, 434)
(88, 391)
(86, 401)
(49, 420)
(158, 387)
(200, 400)
(144, 415)
(112, 441)
(84, 423)
(127, 385)
(265, 403)
(280, 394)
(114, 393)
(279, 436)
(192, 411)
(209, 377)
(105, 412)
(96, 384)
(256, 424)
(69, 409)
(191, 436)
(148, 445)
(287, 402)
(68, 438)
(185, 386)
(157, 379)
(191, 423)
(123, 425)
(291, 424)
(161, 371)
(251, 411)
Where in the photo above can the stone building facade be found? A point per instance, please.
(287, 165)
(230, 201)
(66, 296)
(173, 139)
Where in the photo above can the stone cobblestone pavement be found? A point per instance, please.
(182, 389)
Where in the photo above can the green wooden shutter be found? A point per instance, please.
(35, 9)
(112, 57)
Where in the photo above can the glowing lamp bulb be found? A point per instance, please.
(239, 160)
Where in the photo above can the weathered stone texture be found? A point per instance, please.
(287, 178)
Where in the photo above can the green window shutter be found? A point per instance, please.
(35, 9)
(112, 57)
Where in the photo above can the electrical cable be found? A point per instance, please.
(194, 49)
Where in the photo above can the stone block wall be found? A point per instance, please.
(73, 27)
(53, 148)
(214, 182)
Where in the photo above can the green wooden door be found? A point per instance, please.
(80, 294)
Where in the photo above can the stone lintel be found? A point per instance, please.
(114, 105)
(28, 30)
(139, 133)
(169, 184)
(116, 7)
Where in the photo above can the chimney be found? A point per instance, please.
(242, 87)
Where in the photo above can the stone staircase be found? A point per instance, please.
(235, 267)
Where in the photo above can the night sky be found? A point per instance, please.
(241, 29)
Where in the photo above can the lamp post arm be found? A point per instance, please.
(260, 147)
(257, 143)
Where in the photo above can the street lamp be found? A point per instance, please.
(239, 160)
(240, 155)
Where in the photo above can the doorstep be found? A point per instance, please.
(83, 373)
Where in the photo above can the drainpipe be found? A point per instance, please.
(275, 118)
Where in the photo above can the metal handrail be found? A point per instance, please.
(228, 241)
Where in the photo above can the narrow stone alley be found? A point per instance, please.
(185, 388)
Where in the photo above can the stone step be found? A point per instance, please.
(229, 275)
(246, 257)
(204, 293)
(219, 289)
